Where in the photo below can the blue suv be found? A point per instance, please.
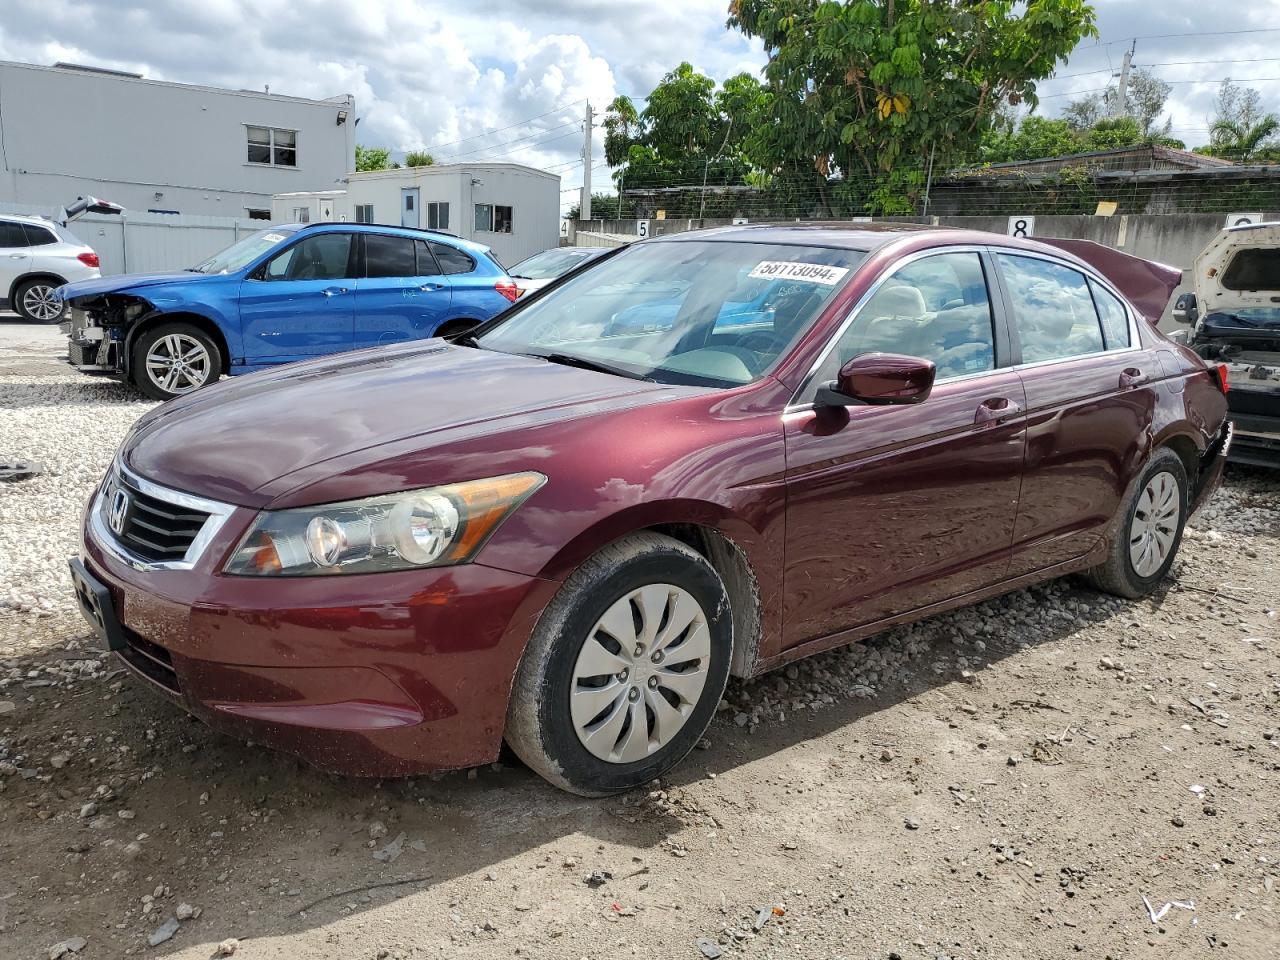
(285, 293)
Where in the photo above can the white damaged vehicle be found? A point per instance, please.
(1234, 313)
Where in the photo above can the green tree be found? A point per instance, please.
(1240, 130)
(419, 158)
(373, 158)
(622, 128)
(680, 116)
(1145, 97)
(1033, 139)
(872, 89)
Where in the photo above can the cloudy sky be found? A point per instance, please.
(439, 75)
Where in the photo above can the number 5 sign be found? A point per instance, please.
(1022, 226)
(642, 229)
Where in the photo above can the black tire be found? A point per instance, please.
(539, 727)
(34, 300)
(1117, 574)
(454, 327)
(145, 378)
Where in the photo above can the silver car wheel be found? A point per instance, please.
(640, 673)
(1154, 525)
(178, 363)
(41, 301)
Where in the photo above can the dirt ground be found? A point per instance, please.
(1006, 781)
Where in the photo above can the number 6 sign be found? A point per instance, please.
(1022, 226)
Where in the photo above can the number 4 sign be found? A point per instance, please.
(1022, 226)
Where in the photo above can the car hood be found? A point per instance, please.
(129, 281)
(247, 440)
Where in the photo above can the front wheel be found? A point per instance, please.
(173, 359)
(37, 301)
(624, 671)
(1147, 531)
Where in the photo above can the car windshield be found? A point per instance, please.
(243, 252)
(1250, 318)
(548, 264)
(702, 312)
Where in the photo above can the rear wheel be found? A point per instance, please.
(1147, 531)
(37, 301)
(173, 359)
(624, 671)
(455, 327)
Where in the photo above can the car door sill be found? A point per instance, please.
(845, 637)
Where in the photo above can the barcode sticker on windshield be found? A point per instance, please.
(790, 270)
(273, 237)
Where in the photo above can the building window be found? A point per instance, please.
(276, 148)
(493, 218)
(437, 216)
(364, 213)
(302, 214)
(256, 214)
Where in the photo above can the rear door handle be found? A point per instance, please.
(1132, 377)
(996, 410)
(429, 287)
(333, 291)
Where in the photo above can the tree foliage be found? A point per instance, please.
(1240, 130)
(869, 91)
(419, 158)
(1145, 97)
(373, 158)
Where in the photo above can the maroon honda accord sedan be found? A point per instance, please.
(702, 455)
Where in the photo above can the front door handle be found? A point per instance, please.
(996, 410)
(333, 291)
(17, 256)
(1131, 377)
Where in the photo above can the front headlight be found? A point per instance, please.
(437, 527)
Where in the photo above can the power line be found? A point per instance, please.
(520, 123)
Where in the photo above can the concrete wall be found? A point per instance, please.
(147, 144)
(533, 195)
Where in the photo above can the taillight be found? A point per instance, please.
(508, 289)
(1222, 377)
(89, 259)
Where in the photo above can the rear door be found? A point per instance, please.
(894, 508)
(15, 255)
(474, 296)
(402, 294)
(1091, 397)
(301, 302)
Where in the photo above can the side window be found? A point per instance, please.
(936, 308)
(427, 266)
(484, 217)
(386, 256)
(452, 260)
(1052, 308)
(11, 235)
(322, 256)
(38, 236)
(1114, 317)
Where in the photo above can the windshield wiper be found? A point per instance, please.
(583, 363)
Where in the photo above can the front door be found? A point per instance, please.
(894, 508)
(326, 211)
(409, 207)
(301, 302)
(15, 255)
(1091, 399)
(402, 295)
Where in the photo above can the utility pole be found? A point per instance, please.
(584, 211)
(1122, 92)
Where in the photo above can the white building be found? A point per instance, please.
(510, 208)
(67, 131)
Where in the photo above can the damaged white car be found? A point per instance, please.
(1234, 313)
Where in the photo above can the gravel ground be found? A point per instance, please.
(1007, 780)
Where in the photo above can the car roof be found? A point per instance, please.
(24, 218)
(443, 236)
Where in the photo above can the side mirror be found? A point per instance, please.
(879, 378)
(1185, 309)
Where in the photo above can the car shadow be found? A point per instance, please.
(300, 845)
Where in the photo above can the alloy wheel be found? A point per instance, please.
(178, 363)
(640, 673)
(1154, 525)
(41, 302)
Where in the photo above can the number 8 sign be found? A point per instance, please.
(1022, 226)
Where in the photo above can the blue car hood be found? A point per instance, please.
(129, 281)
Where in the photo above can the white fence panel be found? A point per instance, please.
(149, 242)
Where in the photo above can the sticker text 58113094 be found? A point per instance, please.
(795, 270)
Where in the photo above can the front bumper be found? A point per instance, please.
(387, 674)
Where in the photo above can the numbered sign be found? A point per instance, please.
(1243, 219)
(1021, 226)
(739, 221)
(564, 228)
(642, 229)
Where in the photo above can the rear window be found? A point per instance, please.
(452, 260)
(38, 236)
(387, 256)
(1253, 270)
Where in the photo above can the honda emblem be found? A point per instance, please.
(118, 512)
